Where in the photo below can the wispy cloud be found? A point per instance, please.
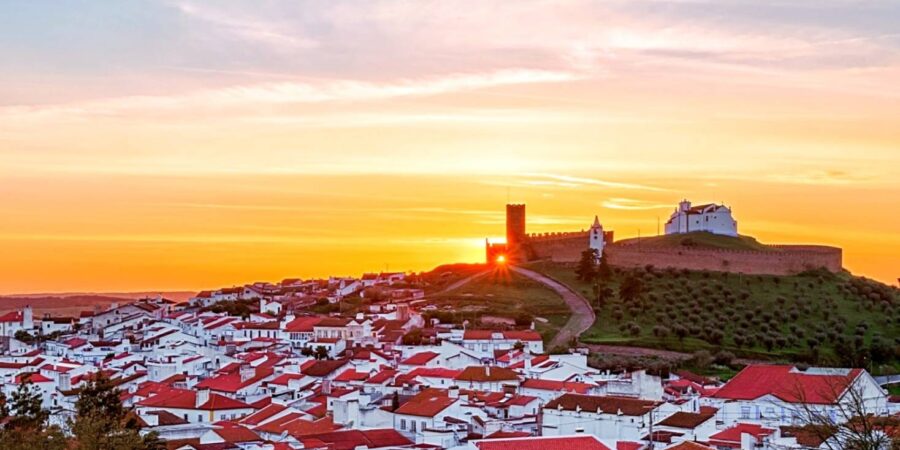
(247, 28)
(632, 204)
(568, 181)
(294, 92)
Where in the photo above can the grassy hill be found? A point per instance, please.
(816, 317)
(499, 295)
(701, 239)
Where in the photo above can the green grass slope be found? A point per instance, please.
(701, 239)
(816, 317)
(502, 294)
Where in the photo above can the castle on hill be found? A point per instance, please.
(521, 246)
(567, 247)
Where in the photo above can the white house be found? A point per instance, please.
(606, 417)
(775, 395)
(710, 217)
(14, 321)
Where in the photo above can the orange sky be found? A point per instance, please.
(244, 144)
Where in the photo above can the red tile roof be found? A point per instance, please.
(235, 434)
(688, 445)
(731, 437)
(333, 322)
(382, 377)
(484, 374)
(302, 324)
(788, 384)
(687, 420)
(351, 375)
(351, 439)
(627, 445)
(263, 414)
(32, 377)
(299, 427)
(543, 443)
(420, 359)
(324, 367)
(12, 316)
(186, 399)
(283, 379)
(232, 382)
(507, 434)
(427, 403)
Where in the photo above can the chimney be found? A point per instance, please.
(326, 387)
(453, 392)
(527, 363)
(65, 381)
(247, 372)
(487, 371)
(202, 397)
(27, 318)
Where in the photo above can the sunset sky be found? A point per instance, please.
(188, 145)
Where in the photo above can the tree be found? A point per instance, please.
(604, 271)
(321, 352)
(27, 427)
(587, 266)
(27, 406)
(413, 337)
(630, 289)
(101, 422)
(601, 292)
(852, 422)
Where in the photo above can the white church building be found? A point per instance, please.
(709, 217)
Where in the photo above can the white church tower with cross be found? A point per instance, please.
(597, 239)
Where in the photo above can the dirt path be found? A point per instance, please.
(582, 314)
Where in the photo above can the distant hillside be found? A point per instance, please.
(59, 306)
(817, 317)
(701, 239)
(71, 304)
(178, 296)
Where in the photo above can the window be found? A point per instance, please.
(745, 412)
(199, 417)
(412, 426)
(423, 425)
(402, 424)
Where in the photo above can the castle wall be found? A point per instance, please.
(558, 247)
(791, 259)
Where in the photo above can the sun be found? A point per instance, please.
(501, 259)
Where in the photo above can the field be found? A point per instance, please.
(502, 294)
(816, 317)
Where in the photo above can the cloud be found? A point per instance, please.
(245, 27)
(576, 182)
(294, 93)
(632, 204)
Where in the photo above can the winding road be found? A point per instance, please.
(582, 318)
(582, 314)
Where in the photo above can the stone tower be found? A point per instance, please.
(515, 227)
(597, 239)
